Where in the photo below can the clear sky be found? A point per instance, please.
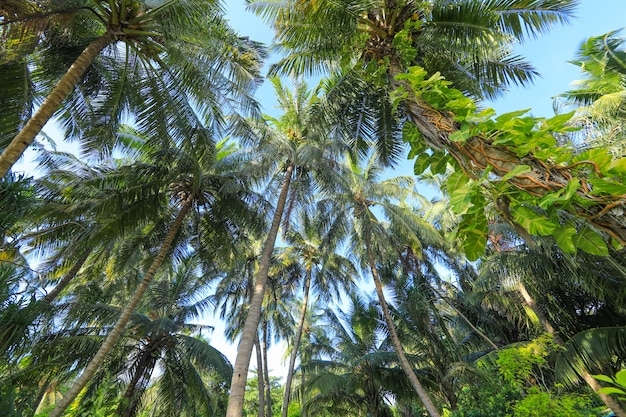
(549, 55)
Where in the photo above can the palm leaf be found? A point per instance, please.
(595, 351)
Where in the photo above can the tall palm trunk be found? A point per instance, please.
(141, 375)
(260, 379)
(69, 276)
(549, 328)
(478, 153)
(304, 409)
(296, 343)
(395, 340)
(244, 351)
(266, 371)
(119, 326)
(60, 91)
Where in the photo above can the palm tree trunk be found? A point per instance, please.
(296, 343)
(260, 379)
(69, 276)
(266, 372)
(119, 326)
(606, 399)
(477, 153)
(548, 327)
(304, 410)
(543, 320)
(395, 340)
(60, 91)
(130, 400)
(244, 351)
(43, 388)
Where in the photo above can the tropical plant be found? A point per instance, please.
(293, 147)
(312, 244)
(359, 197)
(357, 373)
(601, 95)
(183, 182)
(166, 336)
(162, 363)
(571, 295)
(122, 57)
(392, 67)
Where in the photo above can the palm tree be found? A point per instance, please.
(313, 243)
(601, 94)
(166, 340)
(295, 146)
(142, 58)
(159, 337)
(388, 54)
(17, 281)
(359, 198)
(357, 372)
(232, 297)
(184, 183)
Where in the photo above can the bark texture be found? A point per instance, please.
(395, 340)
(259, 372)
(477, 153)
(54, 293)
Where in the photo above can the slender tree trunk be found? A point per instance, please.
(141, 375)
(543, 320)
(60, 91)
(43, 388)
(304, 409)
(395, 340)
(69, 276)
(119, 326)
(260, 378)
(606, 399)
(548, 327)
(244, 351)
(296, 343)
(266, 372)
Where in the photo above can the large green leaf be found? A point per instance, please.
(590, 241)
(564, 237)
(533, 222)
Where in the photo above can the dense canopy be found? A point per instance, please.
(502, 293)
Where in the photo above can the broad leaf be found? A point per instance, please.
(611, 390)
(590, 242)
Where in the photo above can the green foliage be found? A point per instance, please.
(545, 404)
(251, 397)
(521, 365)
(487, 399)
(618, 383)
(595, 175)
(521, 385)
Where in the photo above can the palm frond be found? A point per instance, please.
(595, 351)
